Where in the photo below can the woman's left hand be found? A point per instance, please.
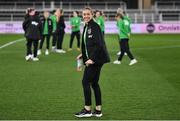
(89, 62)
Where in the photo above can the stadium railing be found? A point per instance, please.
(167, 5)
(170, 10)
(14, 11)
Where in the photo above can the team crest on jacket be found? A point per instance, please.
(89, 31)
(90, 36)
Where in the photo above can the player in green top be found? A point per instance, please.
(124, 33)
(47, 30)
(100, 20)
(54, 19)
(121, 11)
(75, 22)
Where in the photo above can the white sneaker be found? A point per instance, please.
(35, 59)
(60, 51)
(28, 57)
(39, 52)
(63, 51)
(53, 49)
(31, 56)
(117, 62)
(47, 52)
(133, 62)
(119, 53)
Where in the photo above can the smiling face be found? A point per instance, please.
(87, 15)
(75, 14)
(58, 12)
(98, 14)
(46, 14)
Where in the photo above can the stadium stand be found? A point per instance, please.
(170, 10)
(160, 11)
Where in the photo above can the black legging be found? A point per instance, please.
(29, 47)
(73, 34)
(90, 79)
(60, 40)
(47, 41)
(54, 39)
(125, 48)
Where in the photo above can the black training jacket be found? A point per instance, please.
(32, 27)
(50, 25)
(95, 44)
(61, 25)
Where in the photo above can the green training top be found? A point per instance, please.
(100, 21)
(124, 27)
(54, 22)
(45, 31)
(76, 22)
(127, 18)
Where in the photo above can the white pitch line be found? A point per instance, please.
(10, 43)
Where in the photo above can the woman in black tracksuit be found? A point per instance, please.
(94, 55)
(32, 28)
(60, 33)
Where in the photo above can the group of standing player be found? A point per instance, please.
(37, 30)
(42, 29)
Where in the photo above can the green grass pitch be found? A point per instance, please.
(51, 88)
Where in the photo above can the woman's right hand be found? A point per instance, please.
(79, 56)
